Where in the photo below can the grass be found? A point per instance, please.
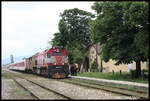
(20, 93)
(17, 92)
(5, 75)
(125, 76)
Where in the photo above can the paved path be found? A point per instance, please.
(114, 81)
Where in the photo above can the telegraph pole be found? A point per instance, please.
(11, 59)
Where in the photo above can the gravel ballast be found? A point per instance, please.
(78, 92)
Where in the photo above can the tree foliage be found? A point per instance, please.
(136, 18)
(122, 28)
(77, 26)
(74, 32)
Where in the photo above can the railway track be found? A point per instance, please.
(43, 92)
(26, 89)
(37, 90)
(90, 84)
(113, 89)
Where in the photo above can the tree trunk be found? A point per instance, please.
(82, 65)
(138, 68)
(96, 59)
(81, 68)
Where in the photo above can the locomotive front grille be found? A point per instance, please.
(58, 70)
(58, 75)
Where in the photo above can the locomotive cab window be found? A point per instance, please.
(60, 54)
(54, 54)
(48, 55)
(65, 55)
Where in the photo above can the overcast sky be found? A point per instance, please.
(28, 26)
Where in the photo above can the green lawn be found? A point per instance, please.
(125, 76)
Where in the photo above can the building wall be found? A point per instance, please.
(123, 67)
(109, 66)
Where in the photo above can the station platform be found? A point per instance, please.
(141, 85)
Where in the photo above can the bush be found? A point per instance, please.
(133, 73)
(145, 70)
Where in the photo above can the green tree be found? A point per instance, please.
(77, 26)
(118, 26)
(74, 32)
(136, 18)
(61, 38)
(56, 41)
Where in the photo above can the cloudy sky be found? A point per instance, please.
(28, 26)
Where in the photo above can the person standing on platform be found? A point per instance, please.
(72, 69)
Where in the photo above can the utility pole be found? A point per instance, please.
(11, 59)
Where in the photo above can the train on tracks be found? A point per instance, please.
(52, 63)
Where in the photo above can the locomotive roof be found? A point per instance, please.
(45, 51)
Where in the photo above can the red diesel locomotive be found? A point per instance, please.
(52, 63)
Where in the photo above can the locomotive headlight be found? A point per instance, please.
(55, 63)
(64, 60)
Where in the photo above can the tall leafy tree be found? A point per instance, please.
(136, 18)
(118, 26)
(74, 31)
(56, 41)
(60, 38)
(77, 26)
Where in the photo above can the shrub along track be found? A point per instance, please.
(35, 89)
(139, 94)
